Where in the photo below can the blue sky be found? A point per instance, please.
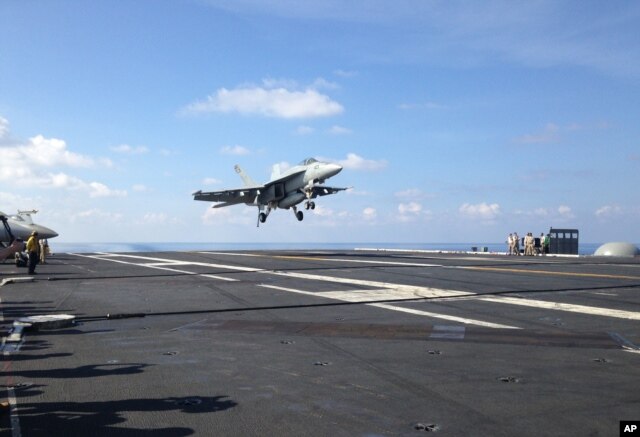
(454, 121)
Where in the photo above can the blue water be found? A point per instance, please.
(584, 248)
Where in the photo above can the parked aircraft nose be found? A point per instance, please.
(44, 232)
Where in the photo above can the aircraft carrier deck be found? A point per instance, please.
(340, 343)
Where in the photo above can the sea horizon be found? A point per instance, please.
(92, 247)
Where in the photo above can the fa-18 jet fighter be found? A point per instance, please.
(301, 183)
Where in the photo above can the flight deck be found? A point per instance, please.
(328, 342)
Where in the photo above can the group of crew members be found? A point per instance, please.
(36, 250)
(532, 246)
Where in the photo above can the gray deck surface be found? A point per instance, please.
(323, 343)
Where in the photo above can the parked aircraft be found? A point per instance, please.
(301, 183)
(22, 225)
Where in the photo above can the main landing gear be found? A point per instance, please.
(262, 216)
(264, 213)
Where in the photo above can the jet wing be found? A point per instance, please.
(229, 197)
(321, 190)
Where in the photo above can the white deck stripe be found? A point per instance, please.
(355, 296)
(559, 306)
(466, 321)
(160, 266)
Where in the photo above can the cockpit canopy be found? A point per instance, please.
(308, 161)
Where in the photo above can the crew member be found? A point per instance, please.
(545, 244)
(44, 248)
(33, 247)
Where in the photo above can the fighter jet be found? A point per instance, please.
(301, 183)
(22, 225)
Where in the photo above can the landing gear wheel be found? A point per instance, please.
(299, 216)
(262, 217)
(307, 205)
(312, 205)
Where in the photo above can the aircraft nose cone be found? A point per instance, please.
(44, 232)
(333, 169)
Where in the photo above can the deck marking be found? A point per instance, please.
(356, 296)
(464, 320)
(559, 306)
(548, 272)
(162, 266)
(109, 256)
(390, 291)
(357, 261)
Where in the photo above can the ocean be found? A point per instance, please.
(583, 249)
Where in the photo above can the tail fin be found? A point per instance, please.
(248, 182)
(275, 172)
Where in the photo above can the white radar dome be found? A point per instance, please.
(617, 249)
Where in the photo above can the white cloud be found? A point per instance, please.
(482, 211)
(323, 211)
(411, 211)
(321, 83)
(409, 208)
(369, 213)
(37, 162)
(41, 152)
(215, 215)
(356, 162)
(96, 189)
(269, 102)
(608, 211)
(130, 150)
(565, 212)
(234, 150)
(339, 130)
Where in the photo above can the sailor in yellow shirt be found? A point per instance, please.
(33, 247)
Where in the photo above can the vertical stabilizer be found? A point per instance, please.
(248, 182)
(275, 172)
